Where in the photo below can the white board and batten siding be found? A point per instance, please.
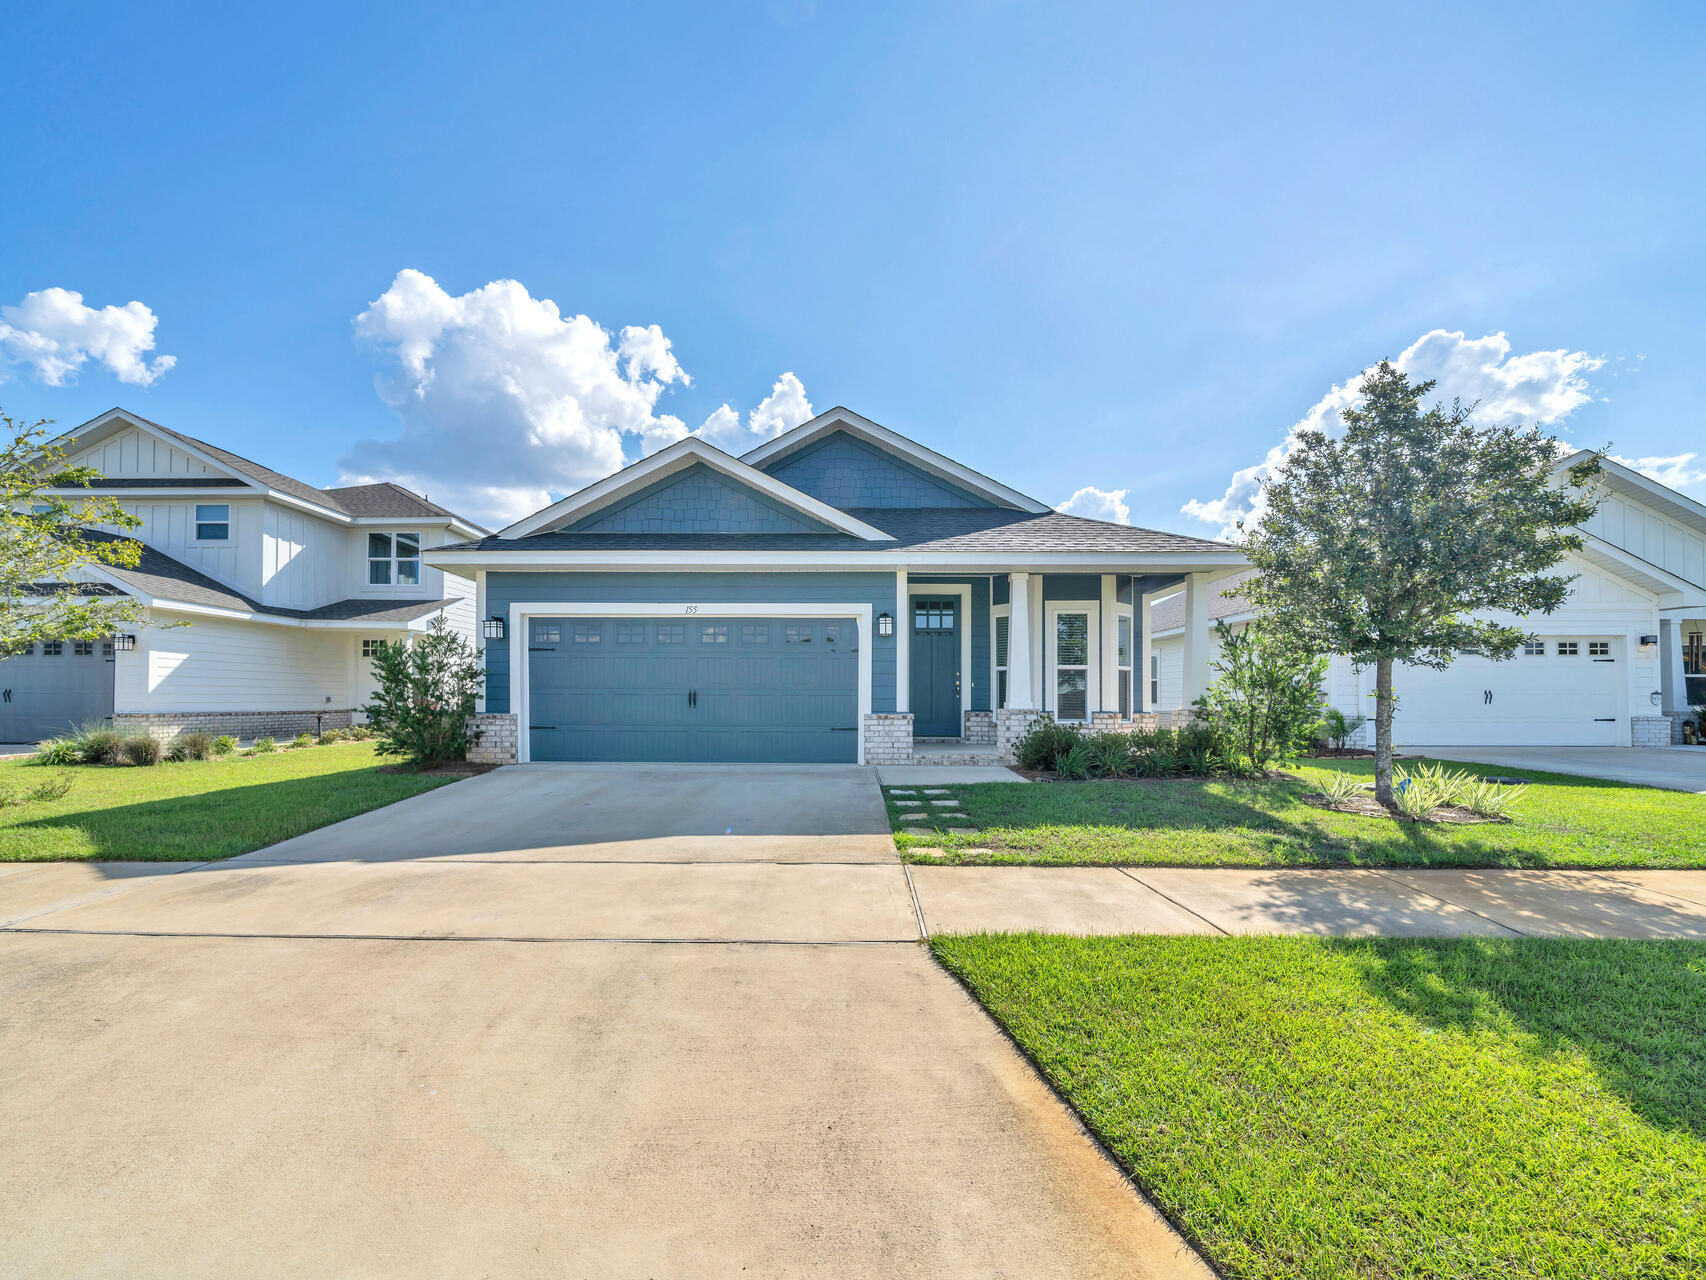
(135, 454)
(1653, 537)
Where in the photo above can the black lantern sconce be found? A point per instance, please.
(885, 625)
(493, 628)
(124, 644)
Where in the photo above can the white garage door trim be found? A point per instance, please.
(521, 614)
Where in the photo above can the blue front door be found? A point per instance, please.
(935, 661)
(693, 689)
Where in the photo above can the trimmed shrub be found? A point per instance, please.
(427, 691)
(1044, 744)
(1110, 754)
(327, 738)
(223, 745)
(142, 749)
(360, 733)
(189, 746)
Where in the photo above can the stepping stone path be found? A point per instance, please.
(896, 792)
(930, 851)
(915, 817)
(919, 831)
(937, 791)
(946, 804)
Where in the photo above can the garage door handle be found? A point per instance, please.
(1605, 719)
(8, 695)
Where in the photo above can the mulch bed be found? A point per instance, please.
(1049, 775)
(453, 769)
(1340, 753)
(1369, 807)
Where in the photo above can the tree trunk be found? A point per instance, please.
(1383, 730)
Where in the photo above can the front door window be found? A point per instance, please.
(1072, 666)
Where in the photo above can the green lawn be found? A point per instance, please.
(196, 810)
(1381, 1108)
(1562, 821)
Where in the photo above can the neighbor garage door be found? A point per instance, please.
(694, 689)
(1564, 691)
(54, 686)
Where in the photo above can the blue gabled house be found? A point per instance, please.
(835, 595)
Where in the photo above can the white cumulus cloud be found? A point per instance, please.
(54, 334)
(1542, 387)
(506, 403)
(1098, 504)
(1683, 471)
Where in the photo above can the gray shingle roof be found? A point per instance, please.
(362, 501)
(914, 529)
(161, 576)
(1169, 614)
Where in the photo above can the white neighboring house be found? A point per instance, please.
(265, 596)
(1619, 664)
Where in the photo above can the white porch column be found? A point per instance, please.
(1197, 590)
(1019, 642)
(902, 643)
(1110, 664)
(479, 633)
(1673, 679)
(1145, 648)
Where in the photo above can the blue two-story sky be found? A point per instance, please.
(493, 250)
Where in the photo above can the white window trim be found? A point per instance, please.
(369, 560)
(962, 590)
(1051, 645)
(196, 540)
(1129, 613)
(522, 614)
(998, 611)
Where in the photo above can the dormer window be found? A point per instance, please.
(212, 522)
(394, 558)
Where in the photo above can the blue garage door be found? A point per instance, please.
(51, 687)
(699, 689)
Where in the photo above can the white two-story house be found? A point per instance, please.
(265, 597)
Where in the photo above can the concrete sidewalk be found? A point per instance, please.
(1393, 903)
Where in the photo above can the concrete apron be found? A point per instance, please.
(335, 1058)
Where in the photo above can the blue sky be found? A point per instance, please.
(1112, 246)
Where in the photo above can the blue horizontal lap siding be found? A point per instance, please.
(616, 589)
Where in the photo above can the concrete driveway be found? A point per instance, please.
(551, 1021)
(1672, 768)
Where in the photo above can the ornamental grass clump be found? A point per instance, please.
(143, 749)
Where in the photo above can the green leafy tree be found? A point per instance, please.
(427, 690)
(1265, 703)
(1380, 543)
(45, 543)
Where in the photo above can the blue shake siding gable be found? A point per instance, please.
(845, 472)
(627, 587)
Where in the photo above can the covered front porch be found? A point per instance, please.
(980, 657)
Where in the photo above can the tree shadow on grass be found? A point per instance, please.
(1635, 1010)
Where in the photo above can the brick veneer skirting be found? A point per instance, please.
(1650, 731)
(888, 738)
(1011, 724)
(980, 727)
(166, 725)
(498, 738)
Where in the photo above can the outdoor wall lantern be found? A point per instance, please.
(494, 628)
(1647, 642)
(1656, 697)
(885, 624)
(124, 644)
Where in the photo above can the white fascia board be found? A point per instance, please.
(274, 620)
(1132, 562)
(425, 522)
(839, 419)
(677, 457)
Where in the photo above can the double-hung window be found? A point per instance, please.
(394, 559)
(213, 522)
(1154, 681)
(1124, 663)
